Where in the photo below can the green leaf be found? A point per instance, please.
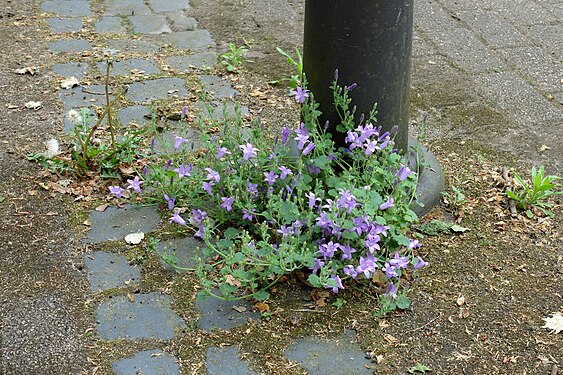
(231, 233)
(403, 302)
(262, 295)
(339, 303)
(436, 227)
(224, 244)
(315, 280)
(419, 368)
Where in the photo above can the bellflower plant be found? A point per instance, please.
(267, 208)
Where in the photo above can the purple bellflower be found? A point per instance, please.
(117, 191)
(300, 94)
(135, 184)
(248, 151)
(177, 219)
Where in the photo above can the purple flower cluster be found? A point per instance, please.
(367, 138)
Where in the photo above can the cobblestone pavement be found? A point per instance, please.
(511, 49)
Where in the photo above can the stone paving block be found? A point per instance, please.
(545, 72)
(125, 46)
(86, 96)
(497, 31)
(75, 8)
(135, 114)
(219, 111)
(126, 8)
(150, 24)
(506, 89)
(69, 45)
(124, 67)
(525, 12)
(549, 38)
(221, 314)
(148, 316)
(148, 362)
(162, 88)
(430, 16)
(217, 87)
(71, 69)
(184, 250)
(339, 356)
(108, 270)
(65, 25)
(420, 47)
(190, 40)
(164, 6)
(115, 223)
(220, 361)
(180, 22)
(456, 5)
(200, 60)
(466, 50)
(110, 25)
(164, 143)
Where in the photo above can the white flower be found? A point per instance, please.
(52, 148)
(74, 116)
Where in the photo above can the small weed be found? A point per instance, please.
(531, 196)
(455, 200)
(234, 58)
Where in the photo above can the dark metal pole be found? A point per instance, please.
(370, 43)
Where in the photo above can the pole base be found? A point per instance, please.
(430, 180)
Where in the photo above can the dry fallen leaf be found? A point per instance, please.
(229, 279)
(27, 70)
(460, 301)
(239, 309)
(262, 307)
(33, 105)
(69, 83)
(555, 323)
(102, 208)
(134, 238)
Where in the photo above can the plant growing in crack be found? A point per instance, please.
(529, 196)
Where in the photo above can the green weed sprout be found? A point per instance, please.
(234, 58)
(533, 196)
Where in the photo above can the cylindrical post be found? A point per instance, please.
(370, 43)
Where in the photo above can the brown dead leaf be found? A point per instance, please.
(102, 207)
(460, 301)
(229, 279)
(130, 297)
(262, 307)
(391, 339)
(127, 170)
(319, 297)
(239, 309)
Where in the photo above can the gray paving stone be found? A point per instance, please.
(124, 67)
(219, 314)
(126, 8)
(430, 16)
(135, 114)
(110, 25)
(466, 50)
(65, 25)
(181, 22)
(220, 361)
(69, 45)
(161, 88)
(107, 271)
(86, 96)
(506, 89)
(494, 29)
(340, 356)
(200, 60)
(525, 12)
(115, 223)
(467, 4)
(125, 46)
(219, 111)
(420, 47)
(74, 8)
(150, 24)
(184, 250)
(71, 69)
(164, 143)
(164, 6)
(536, 64)
(217, 87)
(148, 316)
(190, 40)
(148, 362)
(549, 38)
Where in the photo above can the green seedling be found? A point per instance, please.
(534, 195)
